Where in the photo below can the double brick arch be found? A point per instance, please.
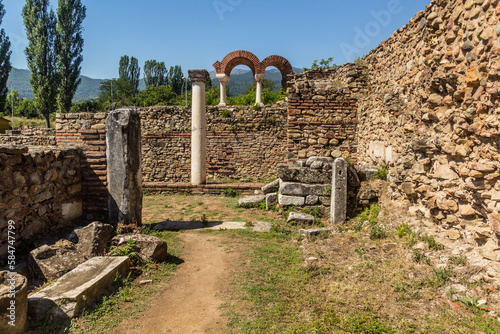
(242, 57)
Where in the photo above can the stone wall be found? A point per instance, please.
(88, 131)
(29, 136)
(322, 113)
(40, 190)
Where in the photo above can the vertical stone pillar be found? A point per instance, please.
(123, 154)
(339, 191)
(223, 79)
(258, 90)
(198, 127)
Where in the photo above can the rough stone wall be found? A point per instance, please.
(322, 113)
(88, 131)
(29, 136)
(40, 190)
(242, 143)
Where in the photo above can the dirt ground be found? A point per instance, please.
(191, 302)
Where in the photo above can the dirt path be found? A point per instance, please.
(191, 303)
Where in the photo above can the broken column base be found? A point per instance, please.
(77, 289)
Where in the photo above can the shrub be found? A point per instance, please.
(225, 113)
(382, 172)
(229, 192)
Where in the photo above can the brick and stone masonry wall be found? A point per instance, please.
(430, 112)
(87, 131)
(322, 114)
(40, 189)
(29, 136)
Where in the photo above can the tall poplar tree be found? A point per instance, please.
(129, 73)
(69, 47)
(40, 25)
(176, 79)
(155, 73)
(5, 65)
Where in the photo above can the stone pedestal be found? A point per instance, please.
(258, 90)
(339, 192)
(198, 127)
(13, 302)
(123, 152)
(223, 79)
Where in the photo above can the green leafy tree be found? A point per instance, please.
(155, 73)
(176, 79)
(323, 64)
(266, 84)
(155, 96)
(69, 47)
(40, 25)
(5, 65)
(129, 73)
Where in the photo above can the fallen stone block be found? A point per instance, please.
(50, 262)
(300, 189)
(178, 225)
(269, 188)
(314, 232)
(305, 175)
(271, 199)
(319, 162)
(77, 289)
(148, 247)
(250, 201)
(13, 288)
(93, 239)
(290, 200)
(366, 172)
(300, 218)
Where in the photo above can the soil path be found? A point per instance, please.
(191, 303)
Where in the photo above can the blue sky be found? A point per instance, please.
(196, 33)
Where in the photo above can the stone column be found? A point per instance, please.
(339, 192)
(123, 154)
(223, 79)
(258, 91)
(198, 127)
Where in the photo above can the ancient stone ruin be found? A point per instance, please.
(424, 105)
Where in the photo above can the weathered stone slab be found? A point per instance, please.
(312, 199)
(77, 289)
(338, 208)
(290, 200)
(300, 189)
(123, 152)
(50, 262)
(366, 172)
(271, 199)
(250, 200)
(148, 247)
(319, 162)
(13, 288)
(314, 231)
(178, 225)
(13, 149)
(92, 240)
(303, 175)
(300, 218)
(269, 188)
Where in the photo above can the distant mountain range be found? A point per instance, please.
(89, 88)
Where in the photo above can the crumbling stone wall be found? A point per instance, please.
(322, 113)
(40, 190)
(242, 143)
(29, 136)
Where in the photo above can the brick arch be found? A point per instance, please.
(235, 58)
(282, 64)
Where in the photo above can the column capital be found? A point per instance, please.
(198, 76)
(222, 77)
(259, 77)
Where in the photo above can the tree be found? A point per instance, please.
(40, 25)
(5, 65)
(130, 72)
(69, 47)
(155, 96)
(176, 79)
(155, 73)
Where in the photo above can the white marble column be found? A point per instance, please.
(198, 127)
(258, 91)
(223, 79)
